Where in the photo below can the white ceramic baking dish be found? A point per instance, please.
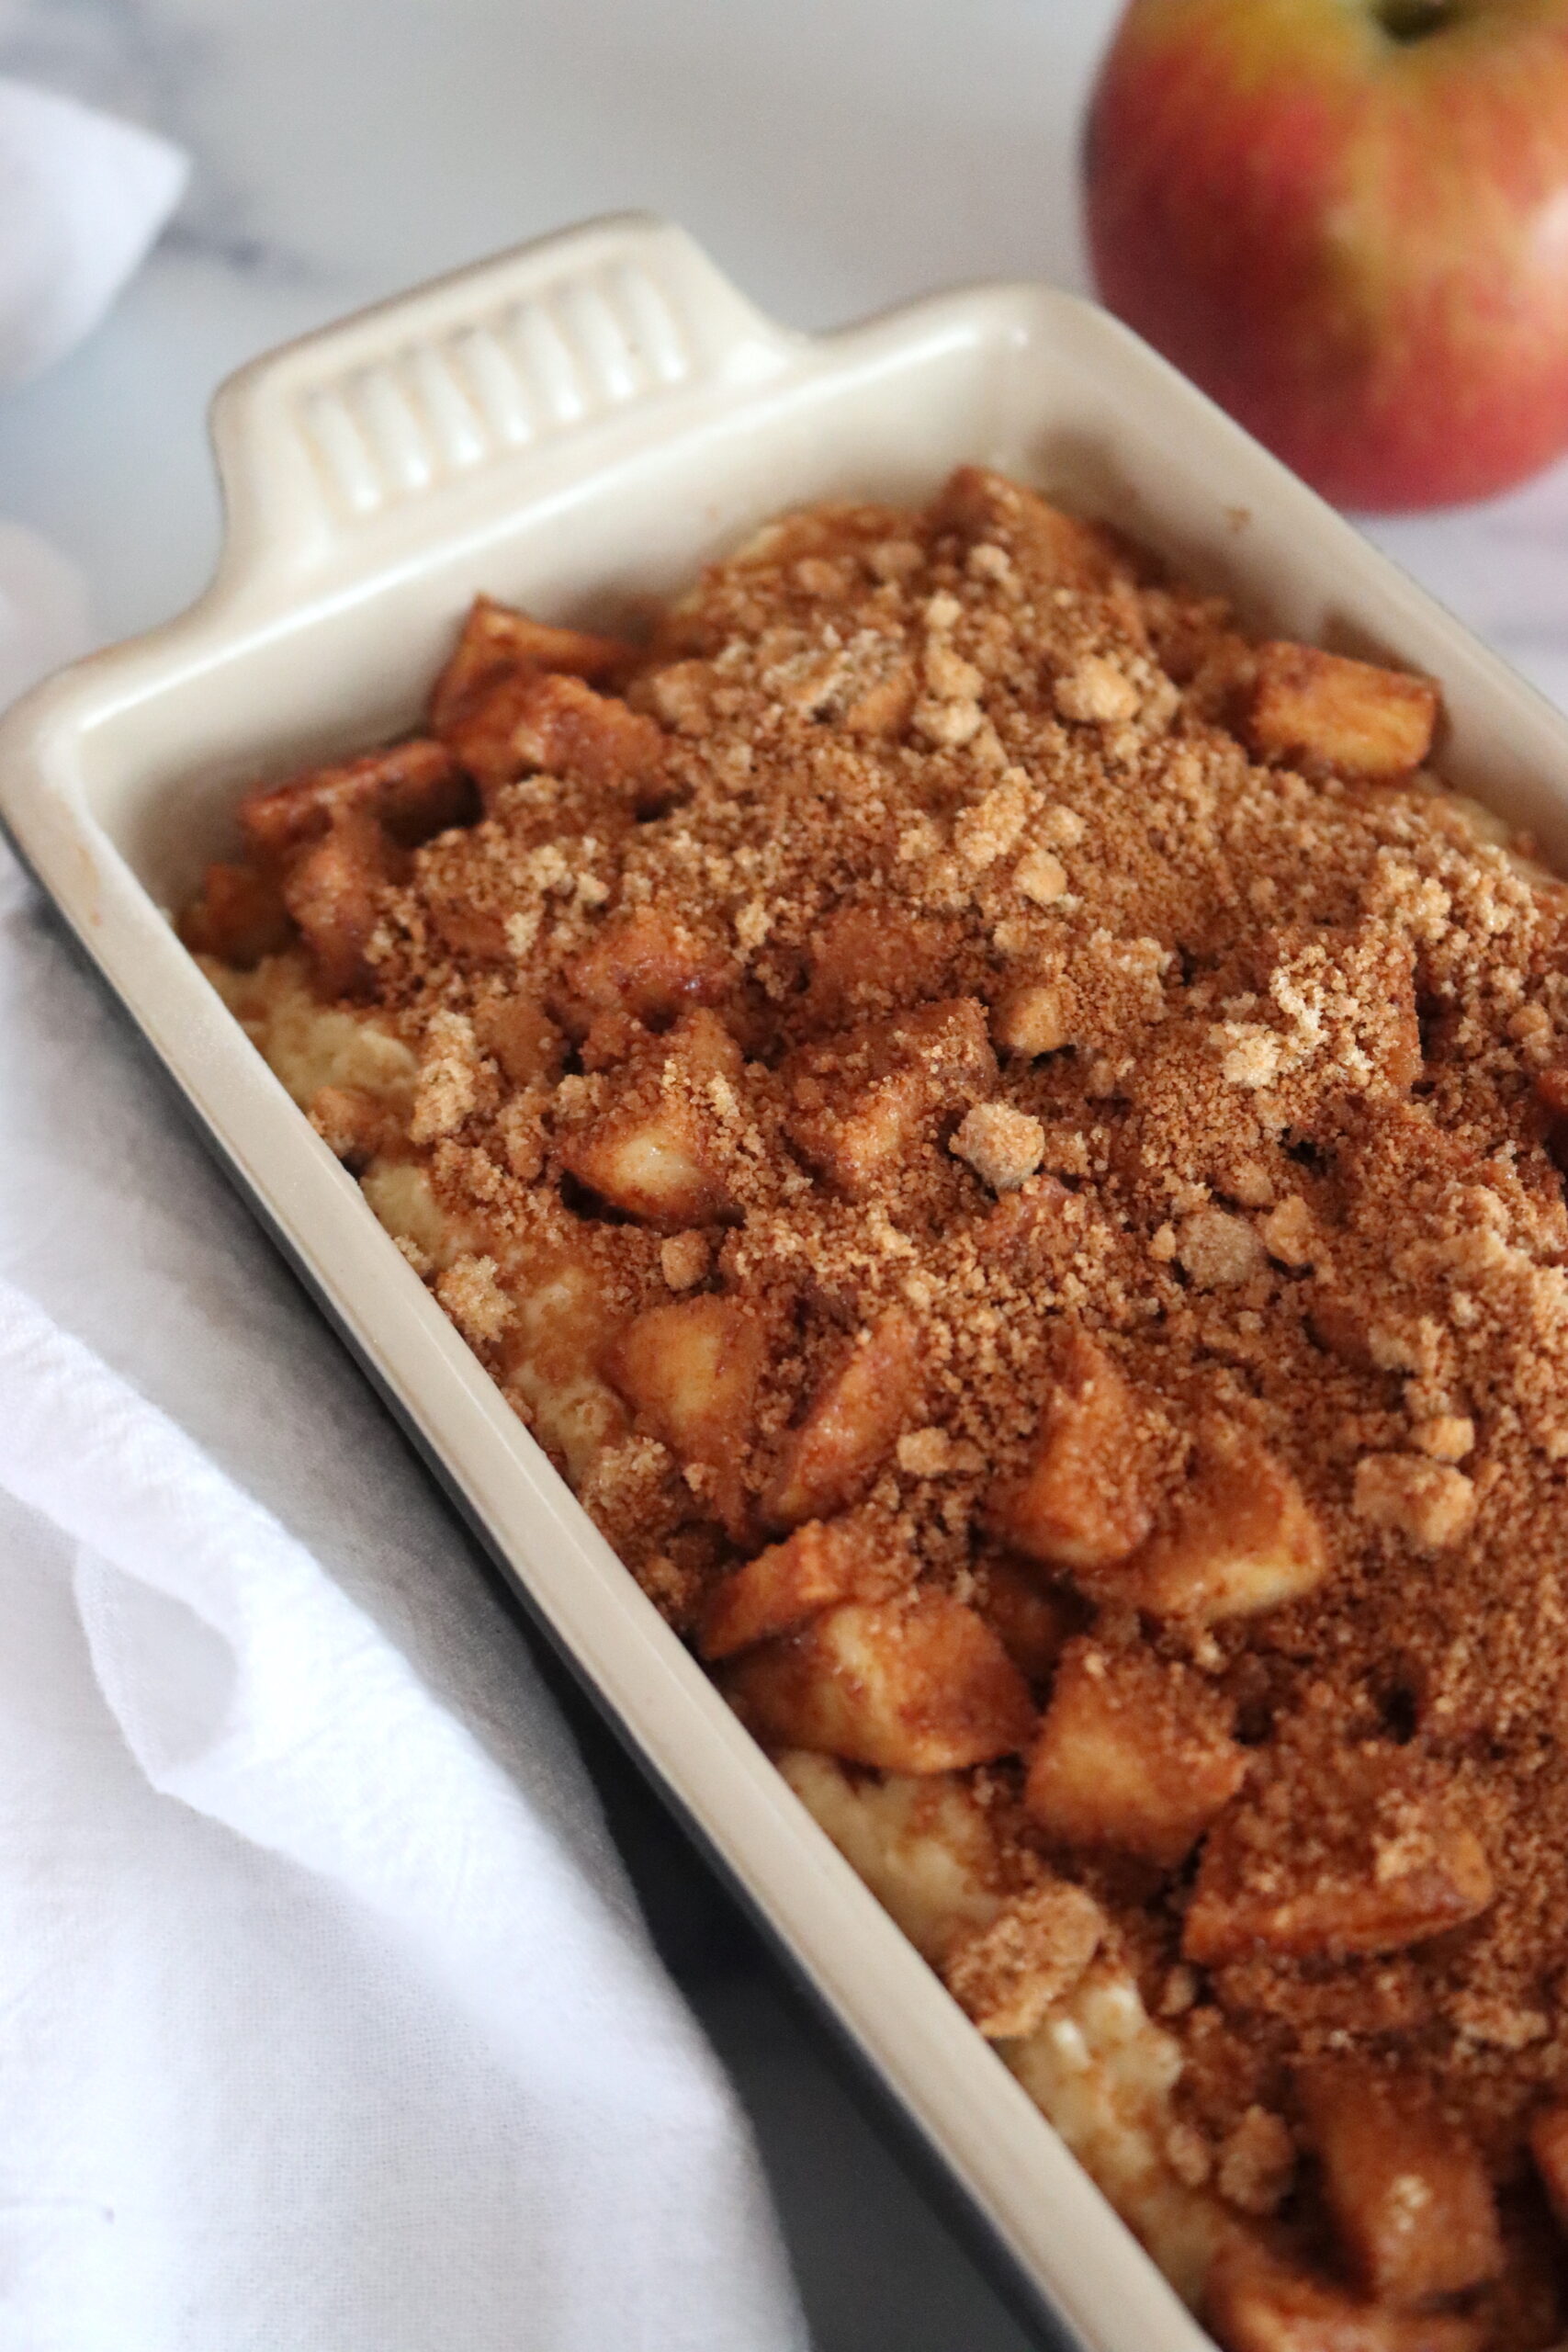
(574, 426)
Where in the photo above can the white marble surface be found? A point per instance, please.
(834, 157)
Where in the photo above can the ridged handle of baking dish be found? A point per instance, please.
(448, 394)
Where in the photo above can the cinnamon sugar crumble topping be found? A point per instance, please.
(1008, 1138)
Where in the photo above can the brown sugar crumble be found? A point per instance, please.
(1026, 1128)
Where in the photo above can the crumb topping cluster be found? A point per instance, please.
(1052, 1114)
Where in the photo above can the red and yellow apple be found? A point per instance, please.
(1347, 220)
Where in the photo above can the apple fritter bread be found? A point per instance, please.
(1007, 1137)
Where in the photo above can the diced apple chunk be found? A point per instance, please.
(1244, 1538)
(414, 790)
(849, 1427)
(567, 729)
(1406, 2191)
(645, 965)
(1134, 1755)
(657, 1150)
(516, 1031)
(1549, 2146)
(1351, 717)
(528, 722)
(332, 891)
(496, 638)
(863, 1098)
(1361, 1851)
(240, 916)
(1052, 547)
(857, 1557)
(1007, 1975)
(1257, 2302)
(690, 1369)
(1081, 1503)
(651, 1165)
(861, 1145)
(919, 1684)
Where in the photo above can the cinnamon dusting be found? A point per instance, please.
(931, 964)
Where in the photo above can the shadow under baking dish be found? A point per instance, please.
(576, 427)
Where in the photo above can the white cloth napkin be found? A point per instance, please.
(81, 197)
(325, 2017)
(327, 2020)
